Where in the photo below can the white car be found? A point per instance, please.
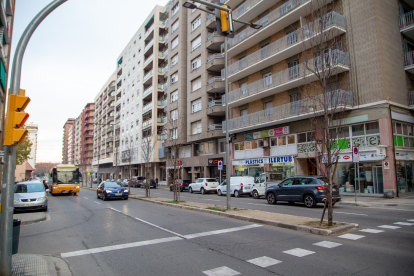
(203, 185)
(239, 185)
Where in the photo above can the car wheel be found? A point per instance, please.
(291, 202)
(45, 209)
(309, 201)
(97, 195)
(219, 193)
(271, 198)
(202, 191)
(250, 195)
(125, 198)
(104, 198)
(74, 194)
(256, 194)
(236, 193)
(190, 190)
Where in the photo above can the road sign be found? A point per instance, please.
(179, 162)
(355, 155)
(220, 165)
(386, 165)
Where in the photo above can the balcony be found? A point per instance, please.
(164, 103)
(109, 149)
(287, 46)
(147, 123)
(162, 152)
(147, 91)
(214, 42)
(148, 75)
(147, 107)
(149, 30)
(211, 21)
(337, 101)
(411, 99)
(163, 70)
(109, 139)
(109, 129)
(162, 120)
(216, 108)
(215, 85)
(117, 80)
(163, 54)
(162, 86)
(336, 61)
(111, 99)
(163, 39)
(249, 10)
(161, 137)
(215, 63)
(409, 62)
(214, 127)
(285, 15)
(148, 60)
(148, 45)
(110, 119)
(407, 24)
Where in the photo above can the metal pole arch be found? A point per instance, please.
(6, 222)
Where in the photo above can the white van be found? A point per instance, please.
(266, 180)
(240, 185)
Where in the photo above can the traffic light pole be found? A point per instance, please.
(7, 195)
(226, 93)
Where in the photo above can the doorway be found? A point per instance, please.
(377, 178)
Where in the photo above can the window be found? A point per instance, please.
(174, 78)
(196, 42)
(196, 23)
(291, 37)
(174, 114)
(174, 134)
(293, 69)
(196, 127)
(243, 88)
(196, 105)
(196, 84)
(174, 60)
(174, 43)
(196, 63)
(268, 108)
(295, 97)
(243, 114)
(267, 79)
(222, 146)
(174, 96)
(175, 9)
(175, 25)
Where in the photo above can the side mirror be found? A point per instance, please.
(47, 190)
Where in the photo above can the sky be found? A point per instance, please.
(69, 58)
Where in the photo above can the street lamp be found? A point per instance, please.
(228, 11)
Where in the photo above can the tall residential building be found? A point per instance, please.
(71, 145)
(33, 129)
(86, 154)
(66, 134)
(104, 130)
(140, 93)
(78, 140)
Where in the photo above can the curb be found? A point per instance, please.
(33, 221)
(300, 228)
(352, 204)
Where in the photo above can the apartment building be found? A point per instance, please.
(77, 141)
(86, 137)
(33, 130)
(65, 141)
(71, 145)
(139, 110)
(104, 130)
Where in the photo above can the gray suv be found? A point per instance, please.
(307, 189)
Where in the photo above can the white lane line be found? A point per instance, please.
(85, 198)
(96, 202)
(389, 226)
(221, 271)
(298, 252)
(117, 247)
(216, 232)
(351, 237)
(411, 220)
(351, 214)
(212, 199)
(327, 244)
(404, 223)
(264, 261)
(373, 231)
(161, 228)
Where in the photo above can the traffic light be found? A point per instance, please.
(224, 22)
(15, 119)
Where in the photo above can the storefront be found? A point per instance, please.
(254, 167)
(213, 168)
(404, 165)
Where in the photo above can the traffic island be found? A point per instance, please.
(297, 223)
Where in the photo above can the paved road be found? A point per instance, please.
(132, 237)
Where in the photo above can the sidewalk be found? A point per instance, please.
(405, 201)
(39, 265)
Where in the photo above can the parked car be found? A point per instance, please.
(183, 184)
(266, 180)
(203, 185)
(152, 184)
(239, 185)
(139, 181)
(97, 181)
(30, 195)
(307, 189)
(110, 190)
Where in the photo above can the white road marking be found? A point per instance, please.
(373, 231)
(411, 220)
(212, 199)
(404, 223)
(389, 226)
(85, 198)
(159, 227)
(327, 244)
(96, 202)
(351, 214)
(216, 232)
(221, 271)
(117, 247)
(351, 237)
(298, 252)
(264, 261)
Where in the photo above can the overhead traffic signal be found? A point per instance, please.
(15, 119)
(224, 22)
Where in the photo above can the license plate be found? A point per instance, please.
(118, 194)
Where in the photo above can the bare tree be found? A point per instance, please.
(323, 59)
(147, 148)
(174, 144)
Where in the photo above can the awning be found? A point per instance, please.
(149, 21)
(107, 170)
(120, 61)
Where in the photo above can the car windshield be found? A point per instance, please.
(66, 175)
(29, 188)
(112, 185)
(211, 180)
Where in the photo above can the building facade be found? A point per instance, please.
(33, 132)
(65, 141)
(86, 137)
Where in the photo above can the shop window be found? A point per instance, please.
(302, 138)
(273, 142)
(248, 145)
(373, 128)
(358, 130)
(236, 146)
(282, 140)
(254, 144)
(241, 145)
(222, 146)
(291, 139)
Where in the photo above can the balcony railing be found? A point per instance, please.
(163, 54)
(210, 58)
(163, 38)
(147, 107)
(162, 136)
(212, 35)
(162, 120)
(163, 70)
(147, 123)
(408, 59)
(214, 103)
(215, 127)
(300, 71)
(148, 59)
(296, 37)
(336, 101)
(147, 91)
(411, 98)
(209, 16)
(148, 75)
(264, 21)
(407, 19)
(244, 7)
(164, 103)
(214, 79)
(148, 31)
(149, 44)
(118, 101)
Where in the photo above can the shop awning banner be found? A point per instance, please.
(267, 133)
(267, 160)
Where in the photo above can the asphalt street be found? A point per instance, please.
(132, 237)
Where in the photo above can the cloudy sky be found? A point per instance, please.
(69, 57)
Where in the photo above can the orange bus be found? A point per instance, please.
(65, 179)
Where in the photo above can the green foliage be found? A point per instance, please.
(23, 150)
